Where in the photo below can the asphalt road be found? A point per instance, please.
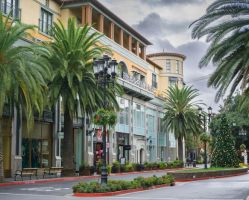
(233, 188)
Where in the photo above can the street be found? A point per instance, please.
(235, 188)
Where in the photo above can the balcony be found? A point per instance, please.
(10, 9)
(135, 87)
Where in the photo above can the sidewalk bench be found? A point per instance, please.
(26, 172)
(52, 171)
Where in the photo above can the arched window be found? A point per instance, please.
(122, 68)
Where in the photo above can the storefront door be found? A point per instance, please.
(6, 131)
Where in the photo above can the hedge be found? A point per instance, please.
(118, 185)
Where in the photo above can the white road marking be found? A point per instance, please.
(44, 189)
(165, 198)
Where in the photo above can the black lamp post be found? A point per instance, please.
(204, 128)
(209, 114)
(105, 73)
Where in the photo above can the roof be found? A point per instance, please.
(101, 7)
(166, 54)
(153, 63)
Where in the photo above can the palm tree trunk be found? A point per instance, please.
(180, 149)
(68, 152)
(1, 154)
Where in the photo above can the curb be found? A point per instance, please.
(64, 179)
(210, 177)
(43, 181)
(117, 192)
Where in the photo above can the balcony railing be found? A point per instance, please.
(10, 9)
(135, 81)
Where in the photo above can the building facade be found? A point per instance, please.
(138, 136)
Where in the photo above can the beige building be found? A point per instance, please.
(138, 135)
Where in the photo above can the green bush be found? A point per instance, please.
(162, 165)
(129, 167)
(117, 185)
(98, 167)
(109, 169)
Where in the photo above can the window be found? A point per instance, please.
(7, 6)
(177, 66)
(123, 116)
(172, 81)
(151, 124)
(46, 22)
(154, 83)
(138, 116)
(168, 65)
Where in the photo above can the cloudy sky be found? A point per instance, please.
(165, 23)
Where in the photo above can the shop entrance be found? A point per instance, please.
(36, 145)
(6, 132)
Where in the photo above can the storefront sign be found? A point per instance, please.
(127, 147)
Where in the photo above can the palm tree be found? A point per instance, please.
(225, 25)
(24, 74)
(73, 51)
(181, 114)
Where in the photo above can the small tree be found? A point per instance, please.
(224, 153)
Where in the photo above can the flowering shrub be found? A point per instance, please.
(105, 117)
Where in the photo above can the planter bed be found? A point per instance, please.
(198, 174)
(119, 192)
(115, 187)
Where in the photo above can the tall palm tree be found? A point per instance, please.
(225, 26)
(24, 73)
(181, 114)
(73, 51)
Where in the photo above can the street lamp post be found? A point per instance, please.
(204, 128)
(104, 71)
(209, 114)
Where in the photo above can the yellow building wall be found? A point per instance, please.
(31, 13)
(163, 82)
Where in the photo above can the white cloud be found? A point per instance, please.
(165, 23)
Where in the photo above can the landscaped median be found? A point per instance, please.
(198, 174)
(116, 187)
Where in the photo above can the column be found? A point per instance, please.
(111, 31)
(86, 15)
(121, 37)
(16, 141)
(89, 15)
(101, 23)
(143, 52)
(137, 48)
(83, 13)
(130, 43)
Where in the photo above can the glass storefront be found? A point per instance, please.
(122, 140)
(36, 145)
